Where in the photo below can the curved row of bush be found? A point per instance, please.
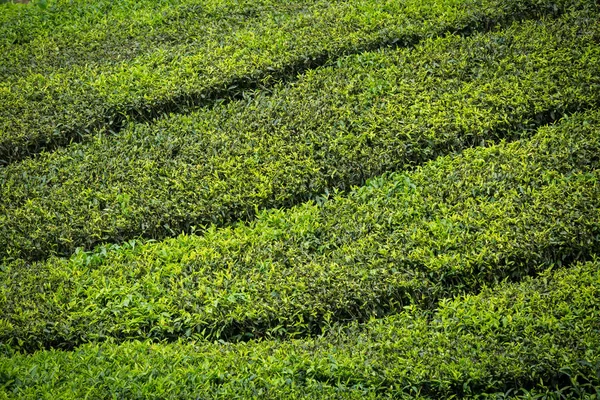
(48, 111)
(334, 128)
(67, 33)
(539, 337)
(451, 226)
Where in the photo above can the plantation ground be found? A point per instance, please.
(309, 199)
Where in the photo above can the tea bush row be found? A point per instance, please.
(334, 128)
(454, 225)
(45, 111)
(77, 33)
(538, 337)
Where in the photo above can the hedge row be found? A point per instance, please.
(334, 128)
(539, 337)
(47, 111)
(452, 226)
(67, 33)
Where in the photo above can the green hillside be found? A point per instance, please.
(172, 56)
(536, 338)
(332, 129)
(309, 199)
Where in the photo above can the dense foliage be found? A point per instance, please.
(539, 336)
(455, 224)
(300, 199)
(334, 128)
(63, 81)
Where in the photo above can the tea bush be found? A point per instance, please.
(454, 225)
(535, 338)
(379, 199)
(216, 57)
(334, 128)
(79, 33)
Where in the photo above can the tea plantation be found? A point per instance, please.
(270, 199)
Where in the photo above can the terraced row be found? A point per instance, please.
(334, 128)
(227, 56)
(536, 338)
(75, 33)
(453, 225)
